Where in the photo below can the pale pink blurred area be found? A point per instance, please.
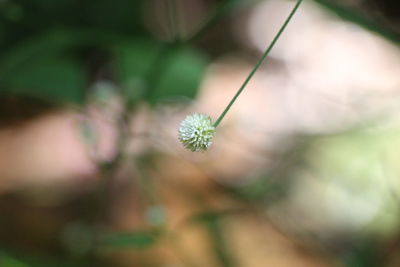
(62, 150)
(45, 150)
(51, 151)
(339, 74)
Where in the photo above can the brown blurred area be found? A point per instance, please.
(297, 175)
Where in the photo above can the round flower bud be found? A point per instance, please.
(196, 132)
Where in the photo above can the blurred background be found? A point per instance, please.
(304, 169)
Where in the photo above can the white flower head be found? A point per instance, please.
(196, 132)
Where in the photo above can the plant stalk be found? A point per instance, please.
(260, 61)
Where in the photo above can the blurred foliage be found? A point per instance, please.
(51, 76)
(364, 254)
(14, 259)
(7, 261)
(138, 239)
(46, 49)
(152, 71)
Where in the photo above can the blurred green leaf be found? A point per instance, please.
(154, 72)
(52, 76)
(8, 261)
(41, 68)
(134, 60)
(364, 254)
(139, 239)
(183, 72)
(45, 67)
(54, 41)
(12, 258)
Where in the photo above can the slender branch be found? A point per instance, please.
(260, 61)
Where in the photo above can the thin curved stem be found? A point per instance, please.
(260, 61)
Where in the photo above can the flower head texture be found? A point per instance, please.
(196, 132)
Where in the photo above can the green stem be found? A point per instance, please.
(260, 61)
